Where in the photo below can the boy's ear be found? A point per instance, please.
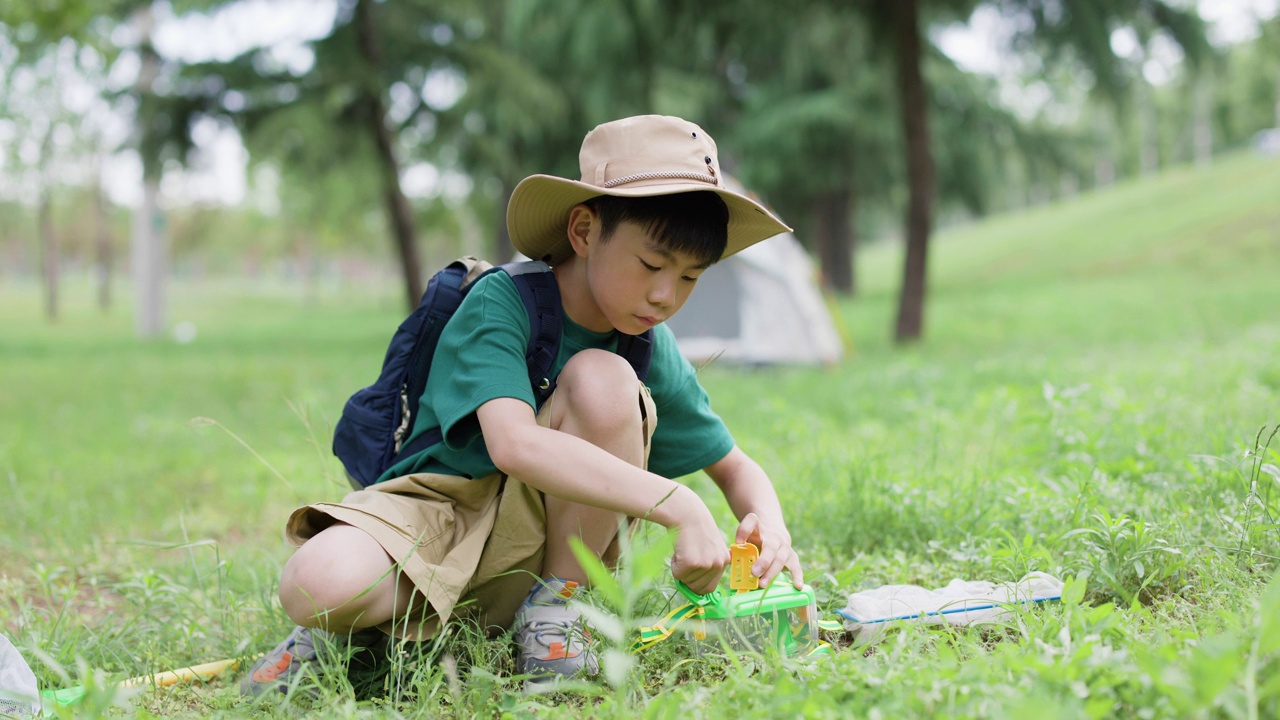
(582, 220)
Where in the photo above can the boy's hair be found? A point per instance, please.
(691, 223)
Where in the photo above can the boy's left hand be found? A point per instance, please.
(776, 553)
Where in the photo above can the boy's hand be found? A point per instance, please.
(701, 553)
(776, 552)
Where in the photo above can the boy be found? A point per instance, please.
(479, 516)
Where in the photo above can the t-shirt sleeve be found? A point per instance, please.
(689, 435)
(480, 358)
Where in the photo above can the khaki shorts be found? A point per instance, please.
(471, 547)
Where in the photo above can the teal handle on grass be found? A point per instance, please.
(63, 698)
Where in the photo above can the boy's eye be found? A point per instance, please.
(689, 279)
(647, 266)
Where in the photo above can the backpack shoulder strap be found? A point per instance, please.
(443, 296)
(541, 297)
(638, 351)
(441, 300)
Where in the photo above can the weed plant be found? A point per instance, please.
(1097, 398)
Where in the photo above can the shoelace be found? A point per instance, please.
(565, 629)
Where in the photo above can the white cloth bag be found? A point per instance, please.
(960, 602)
(19, 695)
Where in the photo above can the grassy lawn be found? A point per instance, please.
(1087, 403)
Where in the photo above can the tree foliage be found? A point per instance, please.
(817, 105)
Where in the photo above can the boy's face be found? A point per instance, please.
(635, 282)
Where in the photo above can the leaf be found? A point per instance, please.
(1074, 588)
(1047, 391)
(1214, 664)
(1270, 687)
(1269, 618)
(617, 663)
(1271, 470)
(1140, 569)
(848, 576)
(602, 581)
(604, 622)
(1206, 458)
(1082, 531)
(649, 563)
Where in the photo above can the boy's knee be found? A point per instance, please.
(600, 386)
(322, 576)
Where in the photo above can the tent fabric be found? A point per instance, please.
(760, 306)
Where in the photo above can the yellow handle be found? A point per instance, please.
(202, 673)
(741, 557)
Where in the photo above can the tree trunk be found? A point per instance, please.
(48, 253)
(644, 66)
(308, 268)
(1202, 132)
(146, 242)
(1277, 97)
(905, 32)
(399, 213)
(102, 246)
(1148, 127)
(1104, 167)
(835, 240)
(147, 257)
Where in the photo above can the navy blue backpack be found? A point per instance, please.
(370, 436)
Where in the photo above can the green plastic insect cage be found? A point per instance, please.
(749, 617)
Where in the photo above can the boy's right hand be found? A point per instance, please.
(701, 552)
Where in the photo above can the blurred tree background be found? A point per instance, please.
(367, 139)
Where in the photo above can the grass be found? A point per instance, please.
(1088, 402)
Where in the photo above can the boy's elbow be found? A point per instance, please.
(510, 431)
(510, 451)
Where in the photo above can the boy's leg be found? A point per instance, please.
(596, 400)
(342, 580)
(336, 587)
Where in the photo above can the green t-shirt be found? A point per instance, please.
(481, 357)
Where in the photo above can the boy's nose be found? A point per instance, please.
(662, 294)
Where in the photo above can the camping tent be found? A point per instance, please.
(759, 306)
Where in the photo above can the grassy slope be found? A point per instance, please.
(1080, 358)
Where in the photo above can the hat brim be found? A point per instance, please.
(538, 213)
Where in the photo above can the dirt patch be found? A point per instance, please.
(59, 596)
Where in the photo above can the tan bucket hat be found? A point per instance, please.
(640, 156)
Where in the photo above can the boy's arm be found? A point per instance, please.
(573, 469)
(751, 496)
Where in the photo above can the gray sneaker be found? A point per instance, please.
(551, 639)
(299, 653)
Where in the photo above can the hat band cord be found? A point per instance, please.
(700, 177)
